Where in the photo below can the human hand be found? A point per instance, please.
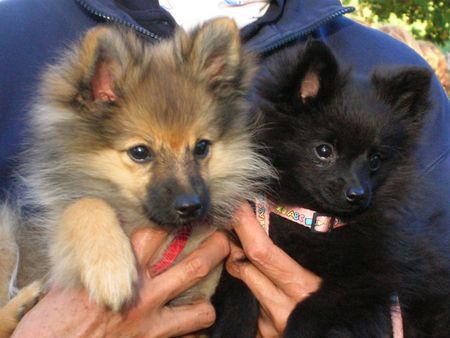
(69, 313)
(277, 281)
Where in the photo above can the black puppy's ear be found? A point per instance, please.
(406, 90)
(317, 72)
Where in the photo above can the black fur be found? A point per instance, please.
(307, 100)
(236, 309)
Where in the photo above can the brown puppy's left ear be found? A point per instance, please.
(216, 55)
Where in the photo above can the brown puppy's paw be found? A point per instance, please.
(92, 248)
(27, 298)
(16, 308)
(110, 281)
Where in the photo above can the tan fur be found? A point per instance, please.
(8, 261)
(12, 312)
(119, 168)
(90, 244)
(112, 92)
(310, 86)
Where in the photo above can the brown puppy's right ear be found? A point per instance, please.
(317, 71)
(92, 71)
(104, 58)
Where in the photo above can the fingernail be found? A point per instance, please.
(236, 267)
(236, 253)
(233, 268)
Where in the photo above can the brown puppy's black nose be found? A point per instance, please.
(188, 206)
(355, 195)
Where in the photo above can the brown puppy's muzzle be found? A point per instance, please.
(172, 204)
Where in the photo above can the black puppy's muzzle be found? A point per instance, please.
(357, 196)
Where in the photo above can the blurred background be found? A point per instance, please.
(423, 25)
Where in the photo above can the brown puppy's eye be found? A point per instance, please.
(324, 151)
(140, 153)
(374, 162)
(201, 149)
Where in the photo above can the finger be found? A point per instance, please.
(266, 328)
(272, 300)
(182, 320)
(191, 269)
(146, 242)
(253, 237)
(46, 317)
(237, 255)
(286, 273)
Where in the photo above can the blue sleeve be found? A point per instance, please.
(32, 34)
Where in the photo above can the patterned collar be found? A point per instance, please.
(308, 218)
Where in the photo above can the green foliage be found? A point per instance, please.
(429, 20)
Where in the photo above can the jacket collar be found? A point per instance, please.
(299, 19)
(293, 20)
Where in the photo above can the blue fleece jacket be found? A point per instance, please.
(33, 32)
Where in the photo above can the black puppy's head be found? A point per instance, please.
(340, 141)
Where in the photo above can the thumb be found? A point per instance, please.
(146, 242)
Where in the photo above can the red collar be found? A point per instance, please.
(173, 250)
(306, 217)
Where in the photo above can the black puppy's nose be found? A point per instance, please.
(188, 206)
(355, 194)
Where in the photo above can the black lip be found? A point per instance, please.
(177, 222)
(336, 210)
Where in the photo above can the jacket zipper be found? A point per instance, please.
(294, 36)
(114, 19)
(266, 50)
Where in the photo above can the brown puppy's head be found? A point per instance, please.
(164, 126)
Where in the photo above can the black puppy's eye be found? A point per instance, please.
(324, 151)
(140, 153)
(201, 149)
(374, 162)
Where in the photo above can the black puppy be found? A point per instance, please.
(344, 149)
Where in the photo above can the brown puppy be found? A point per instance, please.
(124, 135)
